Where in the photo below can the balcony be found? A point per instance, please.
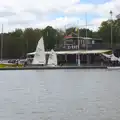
(96, 46)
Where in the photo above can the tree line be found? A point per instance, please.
(19, 42)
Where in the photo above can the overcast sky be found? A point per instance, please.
(57, 13)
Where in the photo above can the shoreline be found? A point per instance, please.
(53, 68)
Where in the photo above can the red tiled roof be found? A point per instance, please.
(68, 36)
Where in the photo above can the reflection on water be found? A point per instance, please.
(60, 95)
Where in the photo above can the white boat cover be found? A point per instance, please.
(114, 58)
(106, 55)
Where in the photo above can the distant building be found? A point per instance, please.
(73, 43)
(85, 49)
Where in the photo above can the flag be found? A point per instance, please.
(118, 16)
(76, 29)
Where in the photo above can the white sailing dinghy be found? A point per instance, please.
(52, 60)
(114, 58)
(39, 57)
(114, 68)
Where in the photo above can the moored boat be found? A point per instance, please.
(39, 57)
(114, 67)
(52, 60)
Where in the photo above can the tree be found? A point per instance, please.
(105, 31)
(50, 37)
(18, 43)
(31, 38)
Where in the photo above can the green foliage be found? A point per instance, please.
(17, 43)
(49, 35)
(105, 31)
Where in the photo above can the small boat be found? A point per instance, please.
(39, 57)
(52, 60)
(112, 58)
(114, 68)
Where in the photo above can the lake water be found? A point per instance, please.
(60, 95)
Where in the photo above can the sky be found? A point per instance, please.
(60, 14)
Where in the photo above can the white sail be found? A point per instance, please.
(39, 57)
(52, 60)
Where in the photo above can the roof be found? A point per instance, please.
(84, 38)
(76, 52)
(68, 36)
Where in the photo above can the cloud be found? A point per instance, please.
(6, 11)
(21, 18)
(96, 23)
(63, 22)
(80, 9)
(40, 13)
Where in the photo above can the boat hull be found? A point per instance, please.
(114, 68)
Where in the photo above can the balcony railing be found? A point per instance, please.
(97, 46)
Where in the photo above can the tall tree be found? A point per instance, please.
(50, 37)
(105, 31)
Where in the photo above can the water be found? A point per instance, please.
(60, 95)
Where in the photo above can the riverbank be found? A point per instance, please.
(53, 68)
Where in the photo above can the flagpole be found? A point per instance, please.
(111, 29)
(86, 37)
(2, 43)
(78, 46)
